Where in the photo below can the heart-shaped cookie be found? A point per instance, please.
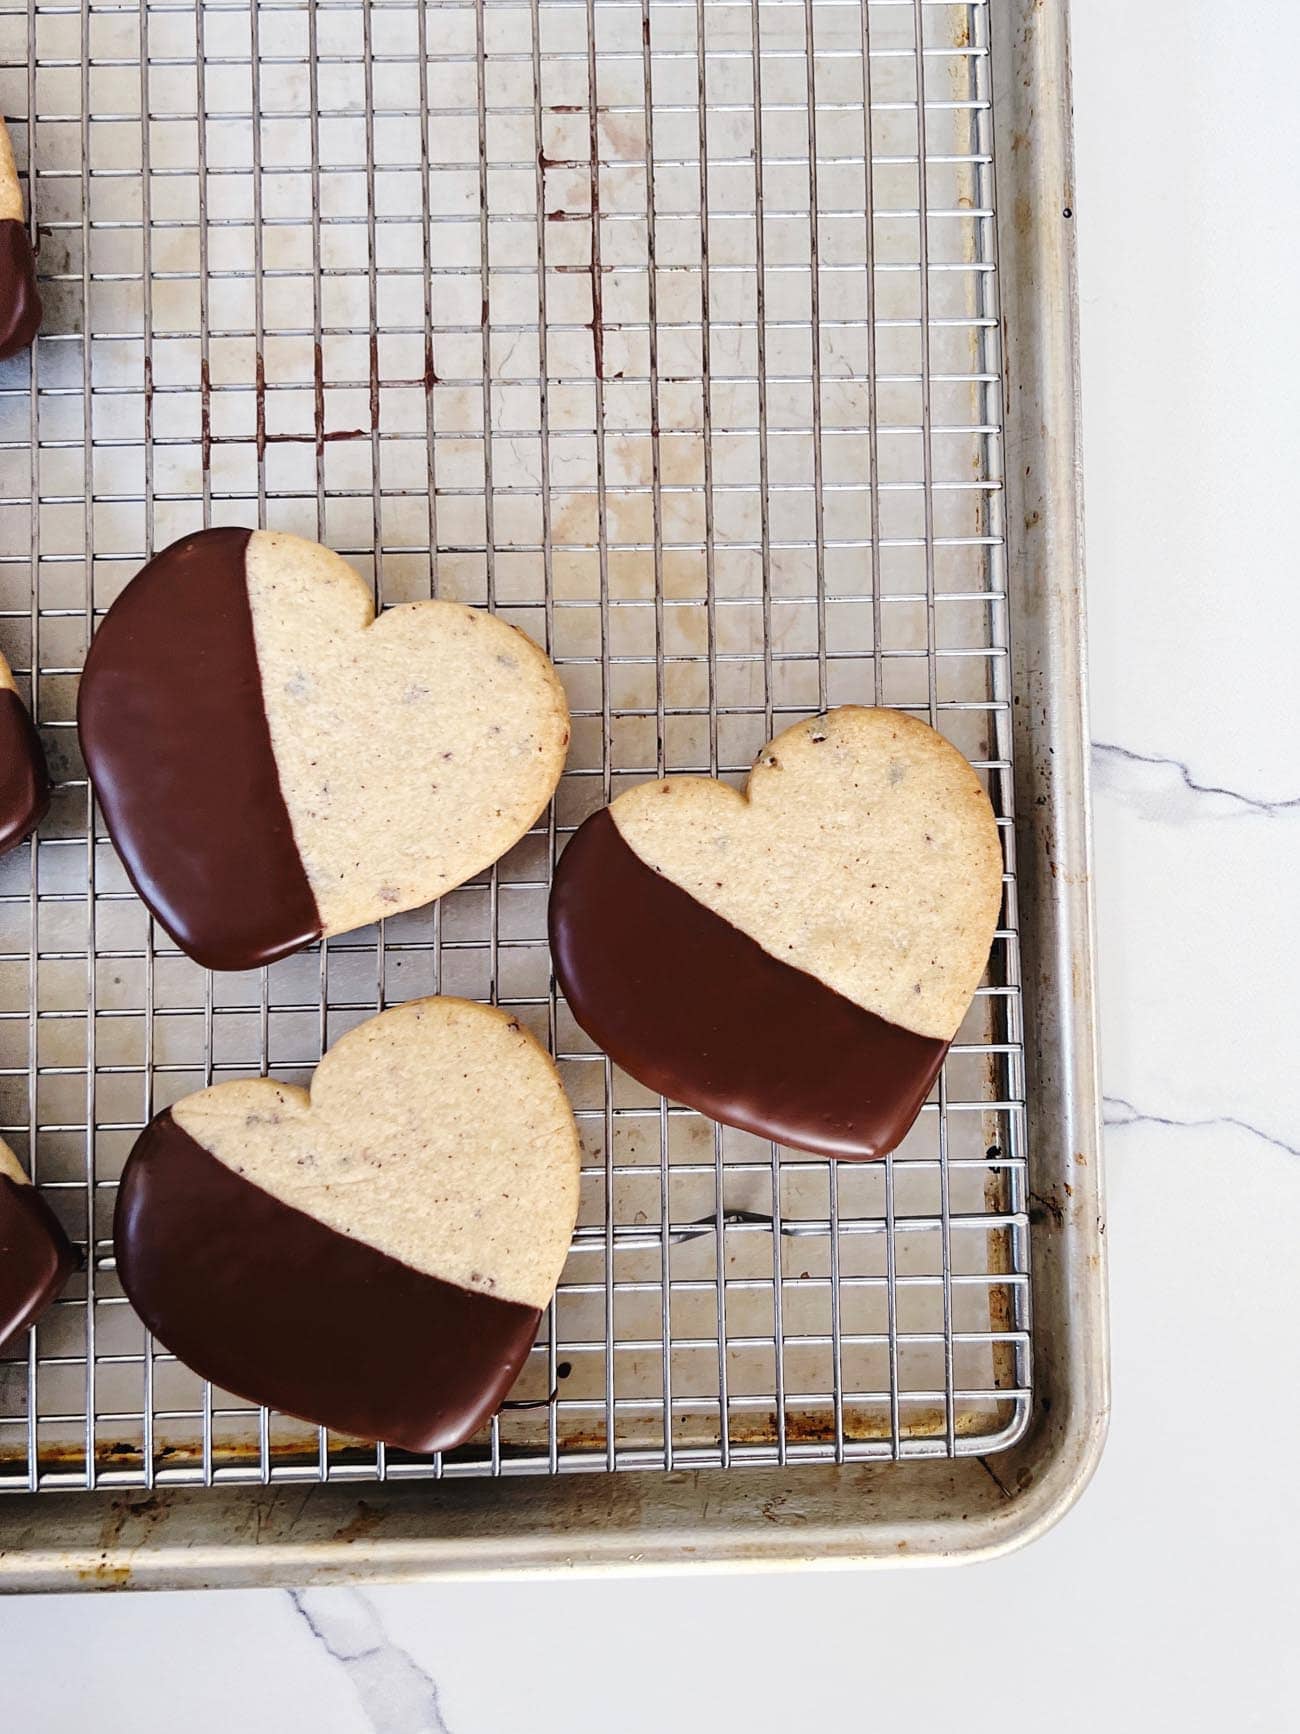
(374, 1255)
(36, 1256)
(794, 960)
(274, 763)
(24, 780)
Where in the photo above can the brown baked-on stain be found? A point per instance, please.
(365, 1520)
(597, 293)
(1046, 1207)
(205, 414)
(862, 1424)
(102, 1575)
(259, 382)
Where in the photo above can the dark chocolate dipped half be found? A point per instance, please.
(36, 1256)
(24, 780)
(20, 301)
(270, 1303)
(175, 735)
(697, 1010)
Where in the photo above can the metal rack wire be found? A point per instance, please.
(569, 308)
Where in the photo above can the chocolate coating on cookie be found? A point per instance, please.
(24, 780)
(36, 1257)
(175, 735)
(697, 1010)
(20, 302)
(268, 1302)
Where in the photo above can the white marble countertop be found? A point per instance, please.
(1167, 1598)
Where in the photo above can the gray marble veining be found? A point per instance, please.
(1157, 795)
(394, 1692)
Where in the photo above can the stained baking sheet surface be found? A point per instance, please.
(701, 386)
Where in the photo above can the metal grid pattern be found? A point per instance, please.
(570, 308)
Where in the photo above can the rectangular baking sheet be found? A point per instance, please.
(853, 480)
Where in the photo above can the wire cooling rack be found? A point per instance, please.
(668, 329)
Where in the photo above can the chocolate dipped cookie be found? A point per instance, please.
(274, 763)
(793, 960)
(373, 1255)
